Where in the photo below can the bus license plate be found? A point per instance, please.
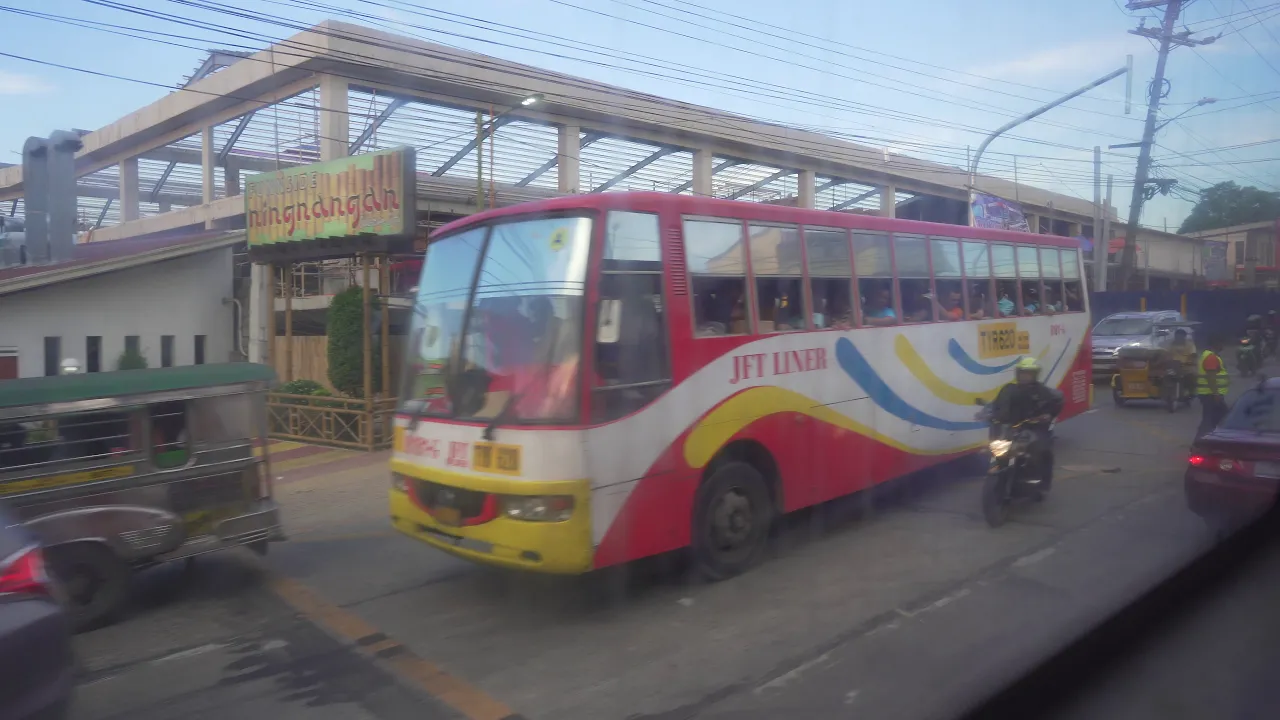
(1135, 388)
(447, 515)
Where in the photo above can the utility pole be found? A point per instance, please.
(1099, 282)
(1167, 38)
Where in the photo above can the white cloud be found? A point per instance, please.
(16, 84)
(1071, 60)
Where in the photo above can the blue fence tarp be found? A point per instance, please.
(1216, 310)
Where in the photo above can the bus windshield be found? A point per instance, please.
(508, 348)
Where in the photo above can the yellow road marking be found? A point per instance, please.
(278, 446)
(463, 697)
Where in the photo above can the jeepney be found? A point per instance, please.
(116, 471)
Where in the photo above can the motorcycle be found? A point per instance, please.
(1012, 474)
(1248, 356)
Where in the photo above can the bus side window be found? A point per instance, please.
(1006, 272)
(830, 278)
(979, 292)
(775, 263)
(632, 362)
(911, 258)
(1029, 280)
(718, 277)
(873, 261)
(1072, 297)
(949, 298)
(1051, 274)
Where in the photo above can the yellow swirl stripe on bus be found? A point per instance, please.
(936, 385)
(727, 419)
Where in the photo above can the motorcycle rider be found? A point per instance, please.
(1031, 401)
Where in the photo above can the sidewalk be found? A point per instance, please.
(327, 491)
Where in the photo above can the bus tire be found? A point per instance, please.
(94, 582)
(731, 519)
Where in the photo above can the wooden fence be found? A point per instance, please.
(311, 360)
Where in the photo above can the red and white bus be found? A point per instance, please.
(594, 379)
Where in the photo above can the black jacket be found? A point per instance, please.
(1017, 403)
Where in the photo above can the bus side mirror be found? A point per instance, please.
(608, 327)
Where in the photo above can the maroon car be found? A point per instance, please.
(1233, 474)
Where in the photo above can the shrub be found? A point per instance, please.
(131, 360)
(303, 387)
(345, 327)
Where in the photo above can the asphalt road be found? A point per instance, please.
(902, 606)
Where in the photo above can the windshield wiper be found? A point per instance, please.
(502, 415)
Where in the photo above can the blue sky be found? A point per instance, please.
(922, 78)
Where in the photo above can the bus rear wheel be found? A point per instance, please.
(731, 521)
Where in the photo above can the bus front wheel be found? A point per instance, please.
(731, 521)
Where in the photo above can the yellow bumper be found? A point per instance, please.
(550, 547)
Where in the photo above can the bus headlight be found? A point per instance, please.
(399, 483)
(537, 508)
(1000, 447)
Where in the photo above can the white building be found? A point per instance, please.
(169, 297)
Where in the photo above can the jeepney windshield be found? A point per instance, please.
(504, 342)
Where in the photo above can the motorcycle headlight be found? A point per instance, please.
(1000, 447)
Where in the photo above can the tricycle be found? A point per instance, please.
(1151, 374)
(117, 471)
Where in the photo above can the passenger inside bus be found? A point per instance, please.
(1031, 297)
(1006, 291)
(949, 306)
(831, 301)
(1052, 304)
(780, 304)
(917, 305)
(979, 304)
(877, 303)
(719, 308)
(1072, 297)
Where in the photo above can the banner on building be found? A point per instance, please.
(996, 213)
(1215, 261)
(362, 195)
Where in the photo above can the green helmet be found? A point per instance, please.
(1028, 364)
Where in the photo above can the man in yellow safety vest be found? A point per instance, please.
(1212, 382)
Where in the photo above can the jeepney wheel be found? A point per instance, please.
(1117, 396)
(94, 582)
(731, 520)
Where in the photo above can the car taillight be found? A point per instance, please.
(25, 573)
(1221, 464)
(1197, 460)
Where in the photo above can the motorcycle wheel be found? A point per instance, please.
(995, 499)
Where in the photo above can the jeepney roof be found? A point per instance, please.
(46, 391)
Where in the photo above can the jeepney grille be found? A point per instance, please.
(203, 493)
(469, 503)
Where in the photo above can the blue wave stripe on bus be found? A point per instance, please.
(960, 356)
(857, 367)
(1061, 355)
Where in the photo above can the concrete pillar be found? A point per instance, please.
(702, 173)
(568, 147)
(888, 201)
(804, 189)
(335, 125)
(231, 180)
(261, 304)
(1033, 222)
(128, 189)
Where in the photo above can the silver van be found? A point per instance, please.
(1136, 329)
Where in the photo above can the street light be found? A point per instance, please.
(533, 99)
(488, 129)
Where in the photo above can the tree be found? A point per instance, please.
(344, 325)
(1227, 204)
(131, 359)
